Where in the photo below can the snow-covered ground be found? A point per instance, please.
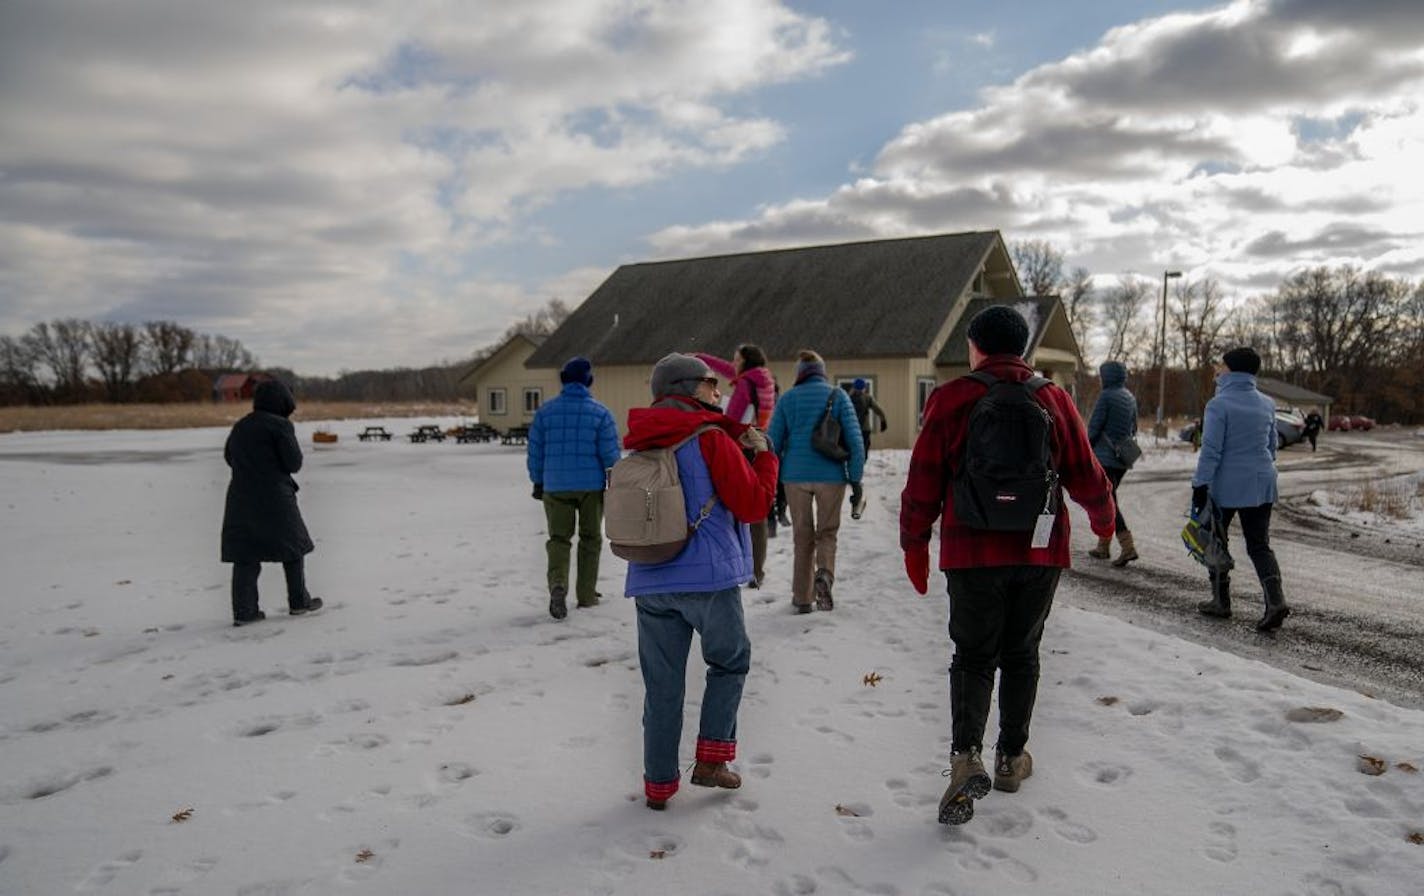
(434, 732)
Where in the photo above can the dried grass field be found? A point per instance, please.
(206, 413)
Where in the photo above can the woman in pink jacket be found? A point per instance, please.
(753, 397)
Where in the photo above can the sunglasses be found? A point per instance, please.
(709, 380)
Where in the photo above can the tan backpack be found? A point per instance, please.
(643, 513)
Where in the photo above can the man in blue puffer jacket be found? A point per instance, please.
(815, 484)
(573, 441)
(1114, 418)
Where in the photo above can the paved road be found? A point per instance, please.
(1357, 594)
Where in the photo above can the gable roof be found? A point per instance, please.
(1037, 310)
(1287, 392)
(884, 298)
(473, 371)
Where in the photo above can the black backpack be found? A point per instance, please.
(1006, 478)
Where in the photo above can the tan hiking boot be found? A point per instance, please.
(1010, 771)
(1103, 551)
(715, 774)
(1129, 552)
(968, 781)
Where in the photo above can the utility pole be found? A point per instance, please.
(1160, 429)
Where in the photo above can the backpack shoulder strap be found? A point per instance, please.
(1036, 382)
(706, 509)
(982, 376)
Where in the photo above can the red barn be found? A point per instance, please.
(237, 386)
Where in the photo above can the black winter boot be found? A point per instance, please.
(1276, 608)
(1220, 604)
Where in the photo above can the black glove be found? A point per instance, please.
(538, 491)
(1199, 499)
(884, 424)
(856, 494)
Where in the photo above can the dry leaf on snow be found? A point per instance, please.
(182, 815)
(365, 855)
(872, 679)
(1372, 765)
(1106, 701)
(845, 810)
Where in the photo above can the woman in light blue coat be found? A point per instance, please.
(1236, 471)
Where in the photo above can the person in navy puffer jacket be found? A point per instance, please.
(1114, 418)
(1236, 472)
(573, 441)
(815, 484)
(699, 589)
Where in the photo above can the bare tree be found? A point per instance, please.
(221, 353)
(18, 379)
(169, 346)
(63, 346)
(1129, 339)
(1334, 322)
(117, 349)
(1039, 264)
(1077, 294)
(542, 322)
(1196, 316)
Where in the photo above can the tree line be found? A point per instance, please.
(73, 361)
(1352, 334)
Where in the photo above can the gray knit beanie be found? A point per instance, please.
(677, 374)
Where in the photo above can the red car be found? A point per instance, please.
(1360, 421)
(1339, 423)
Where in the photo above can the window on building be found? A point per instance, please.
(845, 382)
(923, 387)
(533, 395)
(496, 402)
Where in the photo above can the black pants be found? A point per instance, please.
(996, 617)
(865, 438)
(244, 587)
(1256, 527)
(1115, 475)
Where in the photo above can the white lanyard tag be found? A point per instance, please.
(1042, 530)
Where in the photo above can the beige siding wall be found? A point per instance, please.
(508, 373)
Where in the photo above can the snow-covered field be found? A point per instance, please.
(434, 732)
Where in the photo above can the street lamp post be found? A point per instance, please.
(1160, 429)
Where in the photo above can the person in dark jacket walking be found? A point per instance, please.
(573, 442)
(1000, 584)
(1113, 420)
(1236, 472)
(864, 403)
(697, 591)
(1313, 424)
(261, 521)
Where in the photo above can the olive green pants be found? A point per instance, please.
(567, 511)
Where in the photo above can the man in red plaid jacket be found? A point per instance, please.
(1000, 586)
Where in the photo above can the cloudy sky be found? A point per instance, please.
(343, 186)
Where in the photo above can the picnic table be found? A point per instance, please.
(515, 435)
(476, 432)
(378, 433)
(427, 432)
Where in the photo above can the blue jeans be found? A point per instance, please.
(665, 626)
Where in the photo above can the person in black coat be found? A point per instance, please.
(261, 522)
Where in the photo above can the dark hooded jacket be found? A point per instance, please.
(1114, 417)
(261, 521)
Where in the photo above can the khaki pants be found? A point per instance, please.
(815, 520)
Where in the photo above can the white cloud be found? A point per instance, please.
(1173, 142)
(270, 167)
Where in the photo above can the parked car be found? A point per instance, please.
(1339, 423)
(1360, 421)
(1290, 425)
